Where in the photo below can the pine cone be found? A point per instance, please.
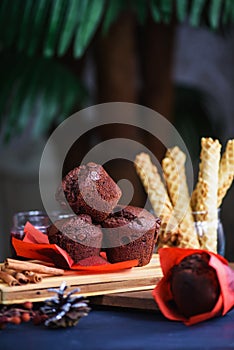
(64, 310)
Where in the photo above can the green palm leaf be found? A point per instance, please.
(155, 10)
(33, 94)
(166, 10)
(140, 7)
(181, 9)
(228, 12)
(33, 86)
(12, 22)
(69, 25)
(49, 27)
(197, 8)
(54, 26)
(214, 13)
(15, 121)
(40, 19)
(113, 9)
(26, 24)
(4, 9)
(90, 16)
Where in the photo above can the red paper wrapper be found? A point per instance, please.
(169, 257)
(35, 245)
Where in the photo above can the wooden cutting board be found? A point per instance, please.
(141, 300)
(90, 284)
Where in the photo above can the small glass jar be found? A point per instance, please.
(201, 227)
(39, 219)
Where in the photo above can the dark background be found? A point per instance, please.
(181, 71)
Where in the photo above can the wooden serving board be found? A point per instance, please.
(90, 284)
(141, 300)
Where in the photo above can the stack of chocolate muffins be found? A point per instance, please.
(99, 223)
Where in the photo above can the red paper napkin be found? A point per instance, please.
(35, 245)
(170, 257)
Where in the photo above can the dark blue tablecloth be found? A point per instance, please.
(119, 329)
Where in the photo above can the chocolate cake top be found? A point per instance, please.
(194, 285)
(89, 189)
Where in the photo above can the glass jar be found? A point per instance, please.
(201, 227)
(39, 219)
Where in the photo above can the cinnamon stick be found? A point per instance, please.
(29, 266)
(33, 277)
(10, 280)
(9, 271)
(21, 278)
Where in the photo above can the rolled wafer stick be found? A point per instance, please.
(153, 184)
(169, 236)
(226, 171)
(159, 199)
(174, 173)
(176, 154)
(208, 172)
(26, 265)
(7, 278)
(193, 200)
(199, 197)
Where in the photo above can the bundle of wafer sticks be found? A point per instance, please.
(17, 272)
(170, 198)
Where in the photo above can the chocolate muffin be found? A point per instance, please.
(130, 233)
(194, 285)
(77, 236)
(89, 189)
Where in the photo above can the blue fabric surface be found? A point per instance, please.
(122, 329)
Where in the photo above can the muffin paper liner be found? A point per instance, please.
(170, 257)
(35, 245)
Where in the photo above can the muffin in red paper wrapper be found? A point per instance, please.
(196, 285)
(35, 245)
